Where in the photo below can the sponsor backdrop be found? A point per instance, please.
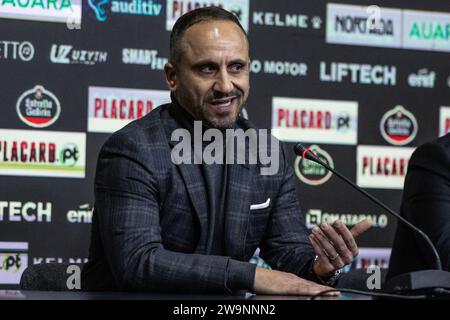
(361, 82)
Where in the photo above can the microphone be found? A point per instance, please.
(426, 281)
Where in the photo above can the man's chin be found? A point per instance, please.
(222, 122)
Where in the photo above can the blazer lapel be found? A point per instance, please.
(193, 180)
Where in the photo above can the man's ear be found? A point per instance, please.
(171, 77)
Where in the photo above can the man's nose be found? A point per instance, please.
(223, 82)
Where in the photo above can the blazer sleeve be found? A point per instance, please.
(127, 205)
(426, 200)
(286, 245)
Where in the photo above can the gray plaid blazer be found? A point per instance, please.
(150, 221)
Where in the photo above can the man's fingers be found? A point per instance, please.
(331, 253)
(338, 242)
(310, 288)
(361, 227)
(317, 248)
(346, 236)
(283, 283)
(323, 259)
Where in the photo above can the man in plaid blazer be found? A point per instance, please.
(162, 226)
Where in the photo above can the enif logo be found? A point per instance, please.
(398, 126)
(313, 173)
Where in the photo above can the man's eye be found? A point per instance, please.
(236, 67)
(207, 69)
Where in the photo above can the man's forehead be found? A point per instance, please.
(214, 34)
(214, 29)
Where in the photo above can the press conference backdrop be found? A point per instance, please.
(362, 82)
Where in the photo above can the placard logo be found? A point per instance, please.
(42, 153)
(110, 109)
(13, 261)
(176, 8)
(315, 120)
(382, 167)
(444, 121)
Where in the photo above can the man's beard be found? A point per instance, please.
(209, 118)
(220, 121)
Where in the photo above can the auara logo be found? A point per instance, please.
(398, 126)
(313, 173)
(42, 4)
(103, 8)
(430, 30)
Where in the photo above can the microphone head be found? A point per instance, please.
(299, 150)
(303, 152)
(306, 153)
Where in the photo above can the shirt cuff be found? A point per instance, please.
(240, 275)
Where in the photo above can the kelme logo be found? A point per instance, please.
(313, 173)
(38, 107)
(398, 126)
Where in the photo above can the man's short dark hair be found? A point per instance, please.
(193, 17)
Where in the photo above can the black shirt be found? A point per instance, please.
(215, 182)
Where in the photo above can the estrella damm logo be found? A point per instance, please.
(313, 173)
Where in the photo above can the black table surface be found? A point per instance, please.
(79, 295)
